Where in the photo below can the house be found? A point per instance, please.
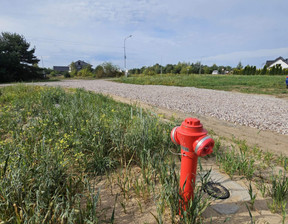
(278, 61)
(61, 68)
(81, 64)
(215, 72)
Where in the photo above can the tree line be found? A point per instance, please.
(252, 70)
(180, 68)
(198, 68)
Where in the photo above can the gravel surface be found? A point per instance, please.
(258, 111)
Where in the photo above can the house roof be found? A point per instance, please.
(61, 68)
(81, 62)
(270, 62)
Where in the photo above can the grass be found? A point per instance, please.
(54, 142)
(254, 164)
(279, 191)
(273, 85)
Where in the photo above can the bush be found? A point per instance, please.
(53, 73)
(85, 72)
(149, 72)
(67, 75)
(99, 72)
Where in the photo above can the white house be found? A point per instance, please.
(215, 72)
(278, 61)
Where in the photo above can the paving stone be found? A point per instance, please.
(238, 193)
(226, 209)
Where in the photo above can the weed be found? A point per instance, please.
(232, 162)
(252, 196)
(268, 157)
(252, 219)
(53, 141)
(283, 211)
(278, 190)
(262, 187)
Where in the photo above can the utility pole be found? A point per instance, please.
(44, 75)
(126, 71)
(161, 65)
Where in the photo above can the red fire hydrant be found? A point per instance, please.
(194, 142)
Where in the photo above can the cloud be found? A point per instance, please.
(235, 57)
(220, 31)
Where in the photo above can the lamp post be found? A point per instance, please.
(126, 72)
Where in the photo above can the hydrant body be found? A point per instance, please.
(194, 142)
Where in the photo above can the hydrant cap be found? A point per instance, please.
(192, 123)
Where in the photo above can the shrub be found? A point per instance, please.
(67, 75)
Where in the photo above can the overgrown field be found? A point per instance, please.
(56, 143)
(258, 84)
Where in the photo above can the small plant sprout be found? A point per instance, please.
(252, 196)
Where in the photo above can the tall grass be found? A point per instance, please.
(54, 142)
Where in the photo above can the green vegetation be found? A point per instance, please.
(54, 143)
(274, 85)
(241, 160)
(198, 68)
(17, 62)
(105, 70)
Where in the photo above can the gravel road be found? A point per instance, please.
(258, 111)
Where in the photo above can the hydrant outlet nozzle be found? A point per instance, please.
(174, 137)
(204, 146)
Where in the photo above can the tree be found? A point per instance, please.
(169, 68)
(149, 71)
(111, 70)
(99, 72)
(16, 60)
(177, 68)
(207, 70)
(239, 66)
(264, 70)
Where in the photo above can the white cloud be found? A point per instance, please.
(225, 31)
(234, 57)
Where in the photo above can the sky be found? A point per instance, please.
(222, 32)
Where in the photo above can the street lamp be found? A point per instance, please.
(126, 72)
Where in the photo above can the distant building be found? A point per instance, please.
(81, 64)
(78, 64)
(215, 72)
(278, 61)
(61, 68)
